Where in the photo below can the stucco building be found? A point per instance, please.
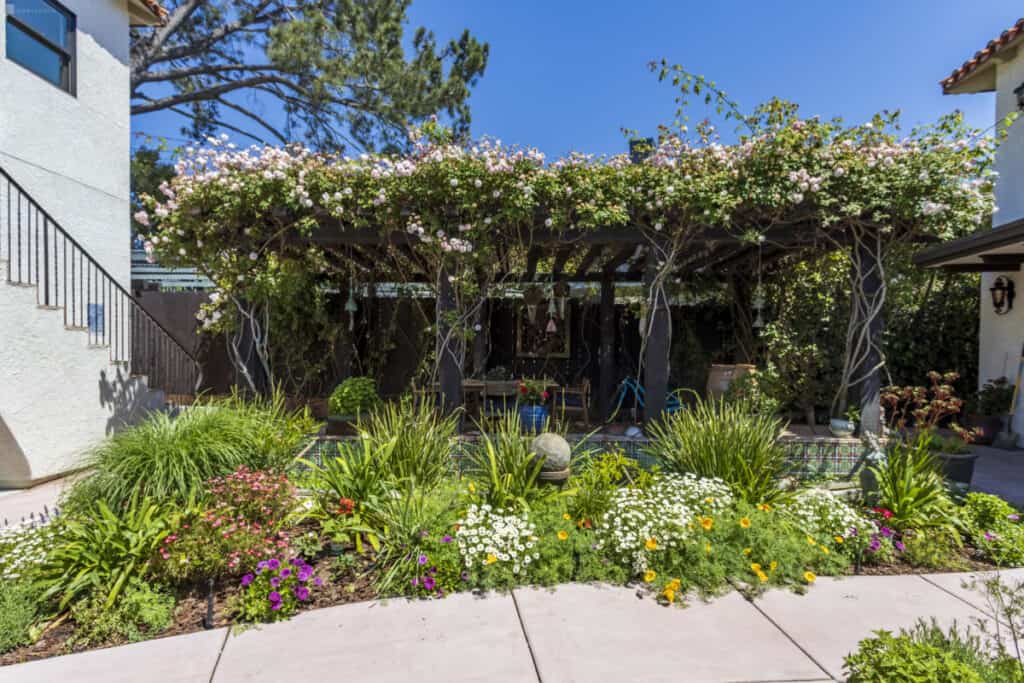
(997, 253)
(68, 327)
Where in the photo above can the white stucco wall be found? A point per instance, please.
(71, 154)
(1002, 336)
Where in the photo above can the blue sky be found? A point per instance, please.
(568, 74)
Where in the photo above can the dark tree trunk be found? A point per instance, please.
(871, 287)
(449, 366)
(656, 364)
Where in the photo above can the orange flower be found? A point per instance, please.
(707, 523)
(745, 522)
(651, 544)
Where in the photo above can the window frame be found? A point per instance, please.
(67, 55)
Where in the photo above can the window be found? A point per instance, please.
(41, 37)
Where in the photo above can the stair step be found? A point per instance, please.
(99, 346)
(23, 285)
(44, 307)
(77, 328)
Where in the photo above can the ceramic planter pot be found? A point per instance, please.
(987, 426)
(340, 425)
(957, 467)
(533, 418)
(842, 428)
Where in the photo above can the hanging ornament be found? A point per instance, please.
(758, 298)
(562, 291)
(552, 326)
(350, 305)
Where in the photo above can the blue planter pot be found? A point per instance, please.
(533, 418)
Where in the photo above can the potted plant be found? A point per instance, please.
(925, 408)
(533, 394)
(990, 405)
(844, 428)
(354, 396)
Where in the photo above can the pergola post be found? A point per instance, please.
(656, 365)
(449, 368)
(871, 288)
(606, 348)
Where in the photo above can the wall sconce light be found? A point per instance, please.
(1019, 92)
(1002, 295)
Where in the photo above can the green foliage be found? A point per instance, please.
(502, 468)
(911, 487)
(422, 440)
(994, 527)
(98, 550)
(724, 440)
(359, 472)
(19, 608)
(756, 390)
(349, 75)
(170, 458)
(934, 548)
(595, 480)
(140, 612)
(354, 396)
(994, 398)
(927, 653)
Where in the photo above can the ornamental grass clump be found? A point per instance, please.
(170, 458)
(723, 440)
(422, 440)
(275, 589)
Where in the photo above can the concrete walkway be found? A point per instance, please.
(576, 632)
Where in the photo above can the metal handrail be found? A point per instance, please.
(40, 253)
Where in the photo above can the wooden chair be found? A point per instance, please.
(573, 400)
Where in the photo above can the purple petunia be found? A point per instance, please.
(429, 583)
(275, 582)
(989, 536)
(274, 596)
(273, 563)
(302, 593)
(305, 573)
(875, 544)
(247, 579)
(285, 573)
(262, 565)
(318, 581)
(415, 581)
(446, 539)
(464, 576)
(296, 561)
(886, 531)
(275, 606)
(899, 546)
(422, 559)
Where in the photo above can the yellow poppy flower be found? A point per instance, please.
(650, 575)
(764, 507)
(707, 547)
(670, 595)
(651, 544)
(745, 522)
(674, 585)
(747, 551)
(491, 559)
(811, 541)
(839, 539)
(562, 535)
(809, 577)
(773, 565)
(762, 577)
(755, 567)
(825, 550)
(707, 523)
(472, 487)
(566, 517)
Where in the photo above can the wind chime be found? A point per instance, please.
(758, 298)
(350, 305)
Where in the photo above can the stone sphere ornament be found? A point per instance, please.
(555, 453)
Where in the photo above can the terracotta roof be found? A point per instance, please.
(154, 7)
(994, 47)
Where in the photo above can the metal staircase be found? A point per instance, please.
(40, 253)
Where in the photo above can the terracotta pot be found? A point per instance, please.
(986, 425)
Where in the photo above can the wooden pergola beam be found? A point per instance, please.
(588, 259)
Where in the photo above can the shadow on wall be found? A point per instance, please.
(128, 399)
(13, 464)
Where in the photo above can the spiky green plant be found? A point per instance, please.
(723, 439)
(911, 486)
(504, 470)
(423, 440)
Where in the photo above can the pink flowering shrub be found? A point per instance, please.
(275, 588)
(240, 525)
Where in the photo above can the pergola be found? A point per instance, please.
(607, 256)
